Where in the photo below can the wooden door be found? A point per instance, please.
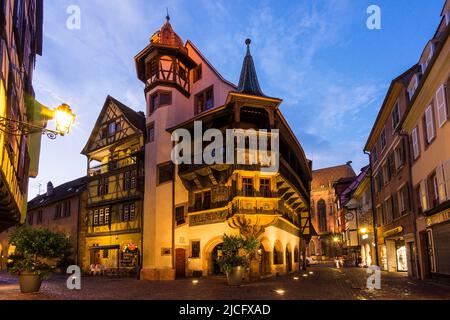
(180, 263)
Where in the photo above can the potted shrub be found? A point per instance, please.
(37, 253)
(237, 253)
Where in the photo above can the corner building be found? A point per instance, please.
(189, 207)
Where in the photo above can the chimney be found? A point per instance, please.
(349, 163)
(49, 189)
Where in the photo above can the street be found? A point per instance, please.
(321, 283)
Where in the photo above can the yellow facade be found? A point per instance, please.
(111, 236)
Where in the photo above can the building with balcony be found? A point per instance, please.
(427, 126)
(324, 211)
(189, 207)
(111, 229)
(20, 42)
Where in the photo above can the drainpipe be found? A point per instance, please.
(410, 196)
(77, 260)
(374, 215)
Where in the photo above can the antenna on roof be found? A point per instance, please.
(167, 16)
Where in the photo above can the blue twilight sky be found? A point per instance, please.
(331, 71)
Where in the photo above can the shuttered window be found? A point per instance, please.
(440, 181)
(441, 106)
(429, 124)
(423, 195)
(415, 143)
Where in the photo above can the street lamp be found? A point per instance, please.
(63, 116)
(363, 230)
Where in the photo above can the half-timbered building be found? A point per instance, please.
(188, 208)
(112, 228)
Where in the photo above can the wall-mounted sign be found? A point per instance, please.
(349, 216)
(393, 232)
(166, 251)
(438, 218)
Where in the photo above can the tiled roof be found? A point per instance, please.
(327, 176)
(346, 195)
(248, 82)
(64, 191)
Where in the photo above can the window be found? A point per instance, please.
(197, 73)
(179, 215)
(128, 212)
(204, 100)
(395, 116)
(207, 200)
(101, 220)
(58, 210)
(322, 215)
(423, 196)
(375, 154)
(441, 105)
(195, 249)
(380, 180)
(160, 99)
(112, 129)
(264, 188)
(429, 124)
(247, 187)
(95, 220)
(198, 201)
(165, 173)
(103, 186)
(403, 200)
(434, 190)
(39, 217)
(383, 139)
(415, 143)
(152, 69)
(129, 180)
(392, 167)
(67, 208)
(151, 133)
(400, 155)
(105, 254)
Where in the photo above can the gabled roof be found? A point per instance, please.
(61, 192)
(136, 119)
(347, 194)
(197, 51)
(328, 176)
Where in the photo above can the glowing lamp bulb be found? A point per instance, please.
(64, 119)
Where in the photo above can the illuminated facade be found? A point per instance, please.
(324, 216)
(20, 42)
(111, 229)
(188, 208)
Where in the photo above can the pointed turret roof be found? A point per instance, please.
(248, 82)
(166, 36)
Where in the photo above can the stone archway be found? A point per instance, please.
(207, 255)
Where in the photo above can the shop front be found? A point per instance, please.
(438, 244)
(114, 260)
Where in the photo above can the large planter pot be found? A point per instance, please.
(29, 282)
(235, 276)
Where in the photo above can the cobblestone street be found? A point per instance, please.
(324, 283)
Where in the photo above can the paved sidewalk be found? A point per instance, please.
(324, 283)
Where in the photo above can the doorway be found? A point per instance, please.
(215, 256)
(180, 263)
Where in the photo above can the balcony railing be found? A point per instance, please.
(112, 165)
